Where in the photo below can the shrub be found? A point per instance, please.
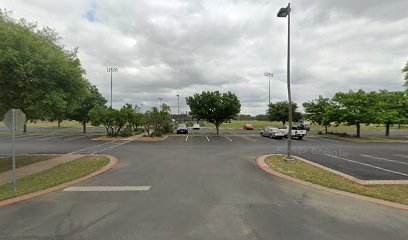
(127, 132)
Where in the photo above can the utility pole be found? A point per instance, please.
(285, 12)
(269, 75)
(178, 104)
(111, 70)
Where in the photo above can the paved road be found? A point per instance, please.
(201, 189)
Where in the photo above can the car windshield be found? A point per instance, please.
(182, 126)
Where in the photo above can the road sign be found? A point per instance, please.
(19, 119)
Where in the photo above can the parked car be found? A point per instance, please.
(182, 129)
(296, 132)
(196, 126)
(272, 132)
(248, 127)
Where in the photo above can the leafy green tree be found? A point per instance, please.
(315, 111)
(405, 71)
(112, 119)
(353, 108)
(214, 107)
(391, 108)
(36, 71)
(81, 113)
(159, 120)
(279, 111)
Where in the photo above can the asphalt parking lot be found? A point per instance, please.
(366, 161)
(204, 187)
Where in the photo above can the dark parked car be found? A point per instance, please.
(182, 129)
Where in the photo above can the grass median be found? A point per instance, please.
(23, 160)
(309, 173)
(55, 176)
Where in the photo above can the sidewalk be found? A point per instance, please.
(6, 177)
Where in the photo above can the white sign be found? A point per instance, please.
(19, 119)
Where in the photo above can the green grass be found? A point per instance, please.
(21, 161)
(54, 176)
(234, 124)
(306, 172)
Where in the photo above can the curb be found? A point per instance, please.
(112, 163)
(260, 161)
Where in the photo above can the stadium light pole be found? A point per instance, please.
(269, 75)
(285, 12)
(178, 104)
(111, 70)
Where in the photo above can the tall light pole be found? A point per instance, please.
(160, 100)
(178, 104)
(269, 75)
(285, 12)
(111, 70)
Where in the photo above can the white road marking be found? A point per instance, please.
(253, 140)
(368, 165)
(107, 189)
(330, 140)
(228, 138)
(384, 159)
(207, 139)
(186, 138)
(91, 147)
(73, 138)
(41, 139)
(405, 156)
(113, 146)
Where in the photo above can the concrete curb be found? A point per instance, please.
(112, 163)
(260, 161)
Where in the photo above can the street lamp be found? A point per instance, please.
(111, 70)
(285, 12)
(178, 104)
(269, 75)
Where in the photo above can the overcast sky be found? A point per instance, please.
(163, 47)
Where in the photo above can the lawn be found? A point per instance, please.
(304, 171)
(54, 176)
(23, 160)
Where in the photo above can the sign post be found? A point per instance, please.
(14, 119)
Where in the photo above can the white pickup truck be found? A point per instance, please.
(297, 132)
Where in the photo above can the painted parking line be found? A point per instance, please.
(330, 140)
(107, 189)
(91, 147)
(384, 159)
(207, 139)
(186, 138)
(73, 138)
(42, 139)
(398, 155)
(228, 138)
(368, 165)
(253, 140)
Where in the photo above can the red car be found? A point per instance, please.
(248, 127)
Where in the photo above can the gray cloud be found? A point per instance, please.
(165, 48)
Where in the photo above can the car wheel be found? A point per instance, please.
(300, 137)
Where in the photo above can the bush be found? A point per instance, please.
(343, 134)
(127, 132)
(320, 133)
(156, 134)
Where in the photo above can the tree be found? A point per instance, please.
(112, 119)
(392, 108)
(315, 111)
(214, 107)
(405, 71)
(157, 119)
(81, 113)
(353, 108)
(279, 111)
(37, 75)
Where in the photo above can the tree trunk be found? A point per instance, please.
(358, 130)
(283, 123)
(59, 123)
(325, 129)
(84, 127)
(387, 129)
(218, 132)
(25, 127)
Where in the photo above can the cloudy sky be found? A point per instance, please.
(164, 47)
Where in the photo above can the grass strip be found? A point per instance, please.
(55, 176)
(23, 160)
(309, 173)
